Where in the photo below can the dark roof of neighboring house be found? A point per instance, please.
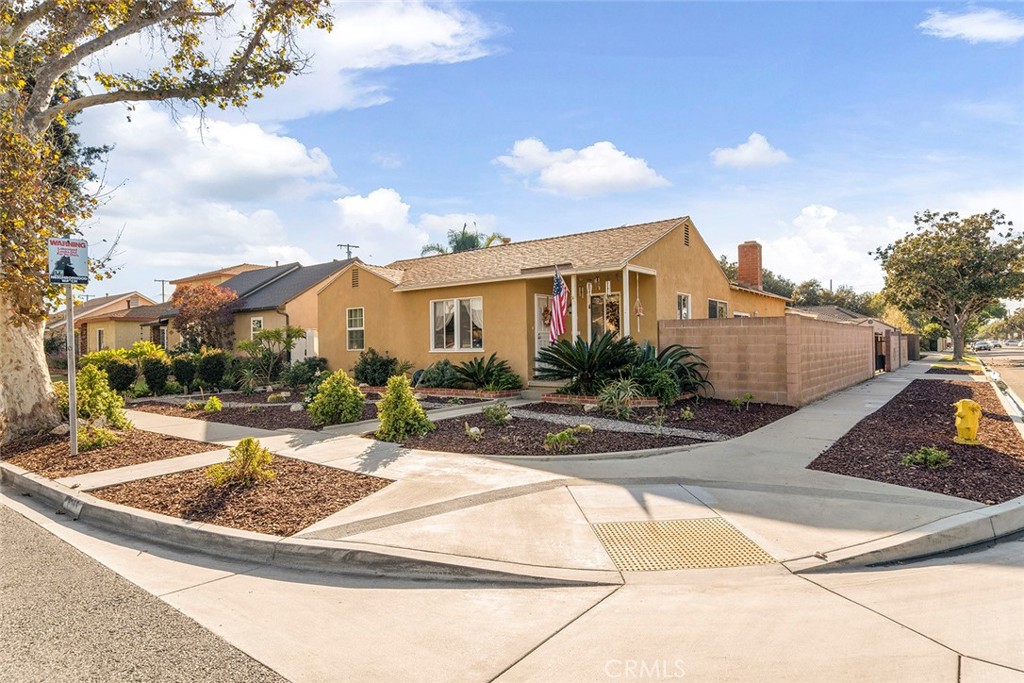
(144, 313)
(229, 270)
(292, 284)
(245, 283)
(836, 313)
(83, 309)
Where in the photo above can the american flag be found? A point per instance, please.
(558, 307)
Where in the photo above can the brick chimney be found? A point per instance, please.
(749, 270)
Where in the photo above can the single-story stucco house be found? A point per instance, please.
(498, 299)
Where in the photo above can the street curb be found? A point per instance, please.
(330, 557)
(983, 525)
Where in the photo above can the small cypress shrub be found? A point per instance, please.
(95, 398)
(401, 415)
(183, 368)
(211, 367)
(337, 400)
(92, 438)
(248, 464)
(121, 374)
(156, 370)
(213, 405)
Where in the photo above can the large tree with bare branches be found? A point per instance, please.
(211, 53)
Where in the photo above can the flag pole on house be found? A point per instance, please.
(559, 306)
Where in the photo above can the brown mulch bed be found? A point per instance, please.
(922, 415)
(50, 456)
(944, 370)
(255, 397)
(301, 494)
(523, 436)
(711, 415)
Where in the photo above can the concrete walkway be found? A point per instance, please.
(950, 619)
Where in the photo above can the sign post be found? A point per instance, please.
(69, 266)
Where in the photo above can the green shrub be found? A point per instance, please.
(492, 374)
(585, 366)
(211, 367)
(183, 367)
(374, 369)
(248, 465)
(337, 401)
(928, 456)
(145, 349)
(247, 378)
(686, 414)
(172, 387)
(656, 381)
(301, 373)
(615, 397)
(562, 441)
(97, 400)
(401, 415)
(121, 374)
(497, 414)
(92, 438)
(279, 397)
(156, 370)
(213, 405)
(440, 375)
(60, 392)
(140, 389)
(192, 405)
(101, 358)
(675, 365)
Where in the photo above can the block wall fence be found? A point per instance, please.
(789, 360)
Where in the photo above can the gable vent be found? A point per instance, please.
(355, 278)
(686, 234)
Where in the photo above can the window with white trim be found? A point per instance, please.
(99, 340)
(718, 309)
(255, 325)
(355, 325)
(457, 324)
(682, 306)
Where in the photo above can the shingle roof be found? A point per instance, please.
(83, 309)
(293, 284)
(585, 251)
(836, 313)
(249, 281)
(230, 270)
(145, 313)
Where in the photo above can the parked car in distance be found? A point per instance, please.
(1013, 342)
(982, 346)
(997, 344)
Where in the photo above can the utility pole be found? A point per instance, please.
(162, 283)
(348, 249)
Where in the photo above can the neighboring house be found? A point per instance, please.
(218, 276)
(122, 328)
(498, 299)
(91, 335)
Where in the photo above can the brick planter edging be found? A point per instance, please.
(464, 393)
(569, 399)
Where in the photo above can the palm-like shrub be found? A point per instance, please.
(401, 415)
(338, 400)
(615, 397)
(491, 374)
(689, 368)
(586, 366)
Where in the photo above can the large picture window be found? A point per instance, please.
(356, 329)
(457, 324)
(717, 309)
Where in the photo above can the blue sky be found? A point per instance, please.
(818, 129)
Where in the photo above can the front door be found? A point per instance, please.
(541, 323)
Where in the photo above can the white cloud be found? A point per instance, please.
(380, 223)
(826, 244)
(597, 169)
(982, 25)
(756, 151)
(386, 161)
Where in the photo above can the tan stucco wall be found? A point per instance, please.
(789, 360)
(399, 322)
(242, 326)
(302, 310)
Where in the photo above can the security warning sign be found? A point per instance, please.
(69, 261)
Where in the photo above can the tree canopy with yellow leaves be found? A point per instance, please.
(208, 52)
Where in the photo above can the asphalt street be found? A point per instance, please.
(65, 617)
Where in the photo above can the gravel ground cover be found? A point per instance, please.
(49, 455)
(524, 436)
(67, 618)
(712, 415)
(301, 494)
(922, 415)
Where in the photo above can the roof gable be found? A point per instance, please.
(287, 287)
(580, 252)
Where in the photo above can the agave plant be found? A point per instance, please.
(480, 373)
(586, 366)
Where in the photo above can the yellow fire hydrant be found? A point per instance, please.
(968, 415)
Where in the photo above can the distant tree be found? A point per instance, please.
(204, 314)
(462, 240)
(770, 282)
(952, 268)
(811, 293)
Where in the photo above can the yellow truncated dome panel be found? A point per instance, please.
(678, 544)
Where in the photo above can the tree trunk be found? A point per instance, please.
(27, 402)
(956, 330)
